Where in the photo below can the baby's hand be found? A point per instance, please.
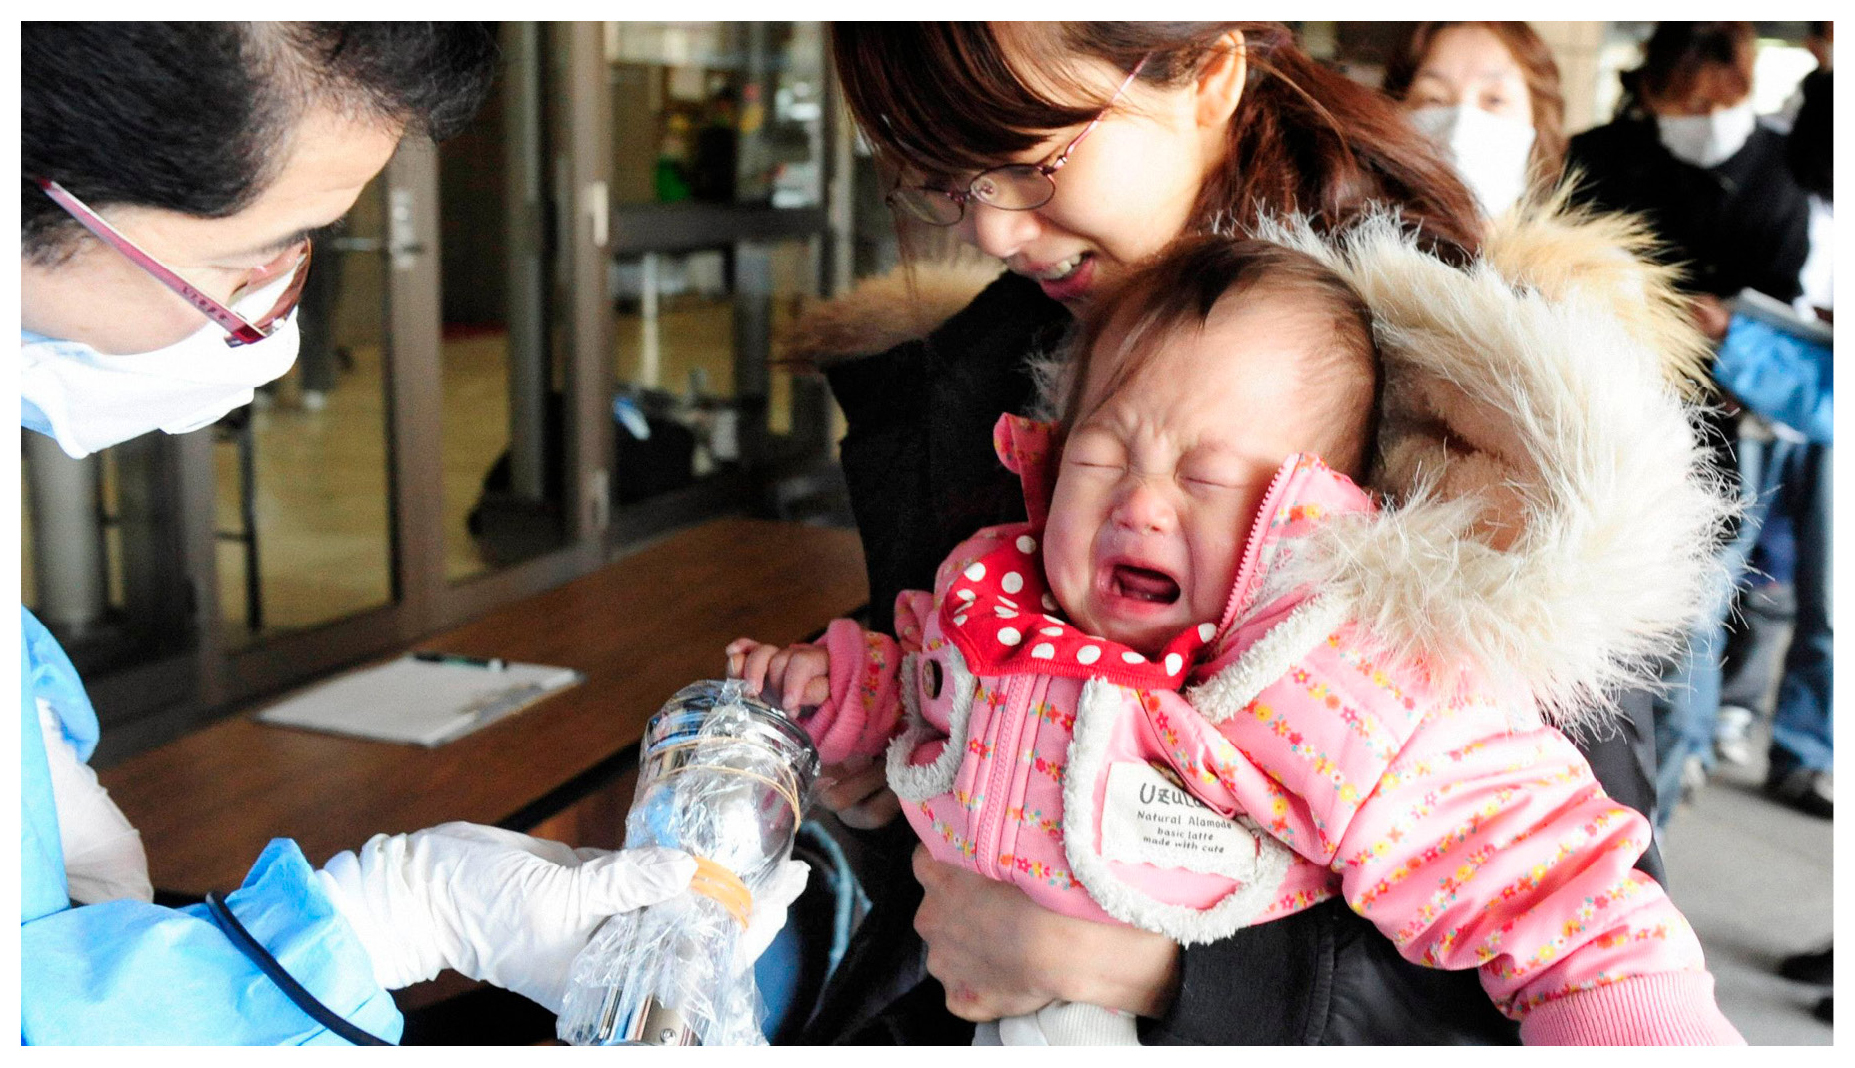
(793, 677)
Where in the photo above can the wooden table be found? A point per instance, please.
(640, 629)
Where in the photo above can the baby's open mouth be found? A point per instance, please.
(1143, 584)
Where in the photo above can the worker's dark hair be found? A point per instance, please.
(193, 117)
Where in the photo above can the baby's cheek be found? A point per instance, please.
(1215, 560)
(1065, 564)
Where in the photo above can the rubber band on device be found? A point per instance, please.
(723, 887)
(785, 790)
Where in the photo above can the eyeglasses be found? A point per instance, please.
(1013, 187)
(240, 331)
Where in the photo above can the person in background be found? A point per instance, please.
(1794, 538)
(1802, 737)
(1688, 154)
(1488, 94)
(173, 176)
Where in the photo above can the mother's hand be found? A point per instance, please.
(858, 793)
(998, 953)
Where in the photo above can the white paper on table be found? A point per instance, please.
(418, 702)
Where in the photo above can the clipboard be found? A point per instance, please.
(419, 699)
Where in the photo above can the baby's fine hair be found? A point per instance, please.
(1178, 291)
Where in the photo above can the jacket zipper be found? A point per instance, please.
(1259, 528)
(991, 815)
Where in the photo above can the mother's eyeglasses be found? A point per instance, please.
(240, 331)
(1013, 187)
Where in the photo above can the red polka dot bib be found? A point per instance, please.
(999, 612)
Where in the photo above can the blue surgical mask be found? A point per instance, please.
(90, 400)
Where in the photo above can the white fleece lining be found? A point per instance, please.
(917, 783)
(1095, 719)
(1269, 659)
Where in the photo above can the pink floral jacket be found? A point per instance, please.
(1299, 763)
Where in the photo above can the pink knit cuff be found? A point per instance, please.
(1669, 1009)
(863, 706)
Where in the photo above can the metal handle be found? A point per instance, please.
(403, 244)
(657, 1024)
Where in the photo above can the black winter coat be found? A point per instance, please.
(922, 475)
(1742, 224)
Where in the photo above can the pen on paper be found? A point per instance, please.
(488, 711)
(494, 663)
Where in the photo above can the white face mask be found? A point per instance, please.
(1708, 140)
(89, 400)
(1489, 151)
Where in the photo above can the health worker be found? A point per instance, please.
(172, 177)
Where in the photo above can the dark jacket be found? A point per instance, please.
(1742, 224)
(922, 475)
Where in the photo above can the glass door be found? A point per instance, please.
(525, 416)
(313, 518)
(303, 522)
(720, 166)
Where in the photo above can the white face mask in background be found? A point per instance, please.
(1489, 151)
(1707, 140)
(89, 400)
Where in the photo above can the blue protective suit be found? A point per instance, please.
(129, 972)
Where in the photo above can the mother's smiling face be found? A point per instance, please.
(1127, 191)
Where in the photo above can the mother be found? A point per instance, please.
(1071, 151)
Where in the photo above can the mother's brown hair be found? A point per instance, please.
(946, 96)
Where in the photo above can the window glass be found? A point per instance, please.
(303, 523)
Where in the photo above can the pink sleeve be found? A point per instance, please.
(913, 610)
(864, 708)
(1650, 1010)
(1470, 847)
(1503, 853)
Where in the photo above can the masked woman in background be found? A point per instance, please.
(1488, 94)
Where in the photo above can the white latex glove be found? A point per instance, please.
(492, 904)
(769, 914)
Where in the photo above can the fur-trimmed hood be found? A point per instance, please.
(1550, 515)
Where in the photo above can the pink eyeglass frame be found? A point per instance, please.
(239, 331)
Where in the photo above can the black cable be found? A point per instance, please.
(292, 989)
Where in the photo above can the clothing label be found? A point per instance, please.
(1147, 819)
